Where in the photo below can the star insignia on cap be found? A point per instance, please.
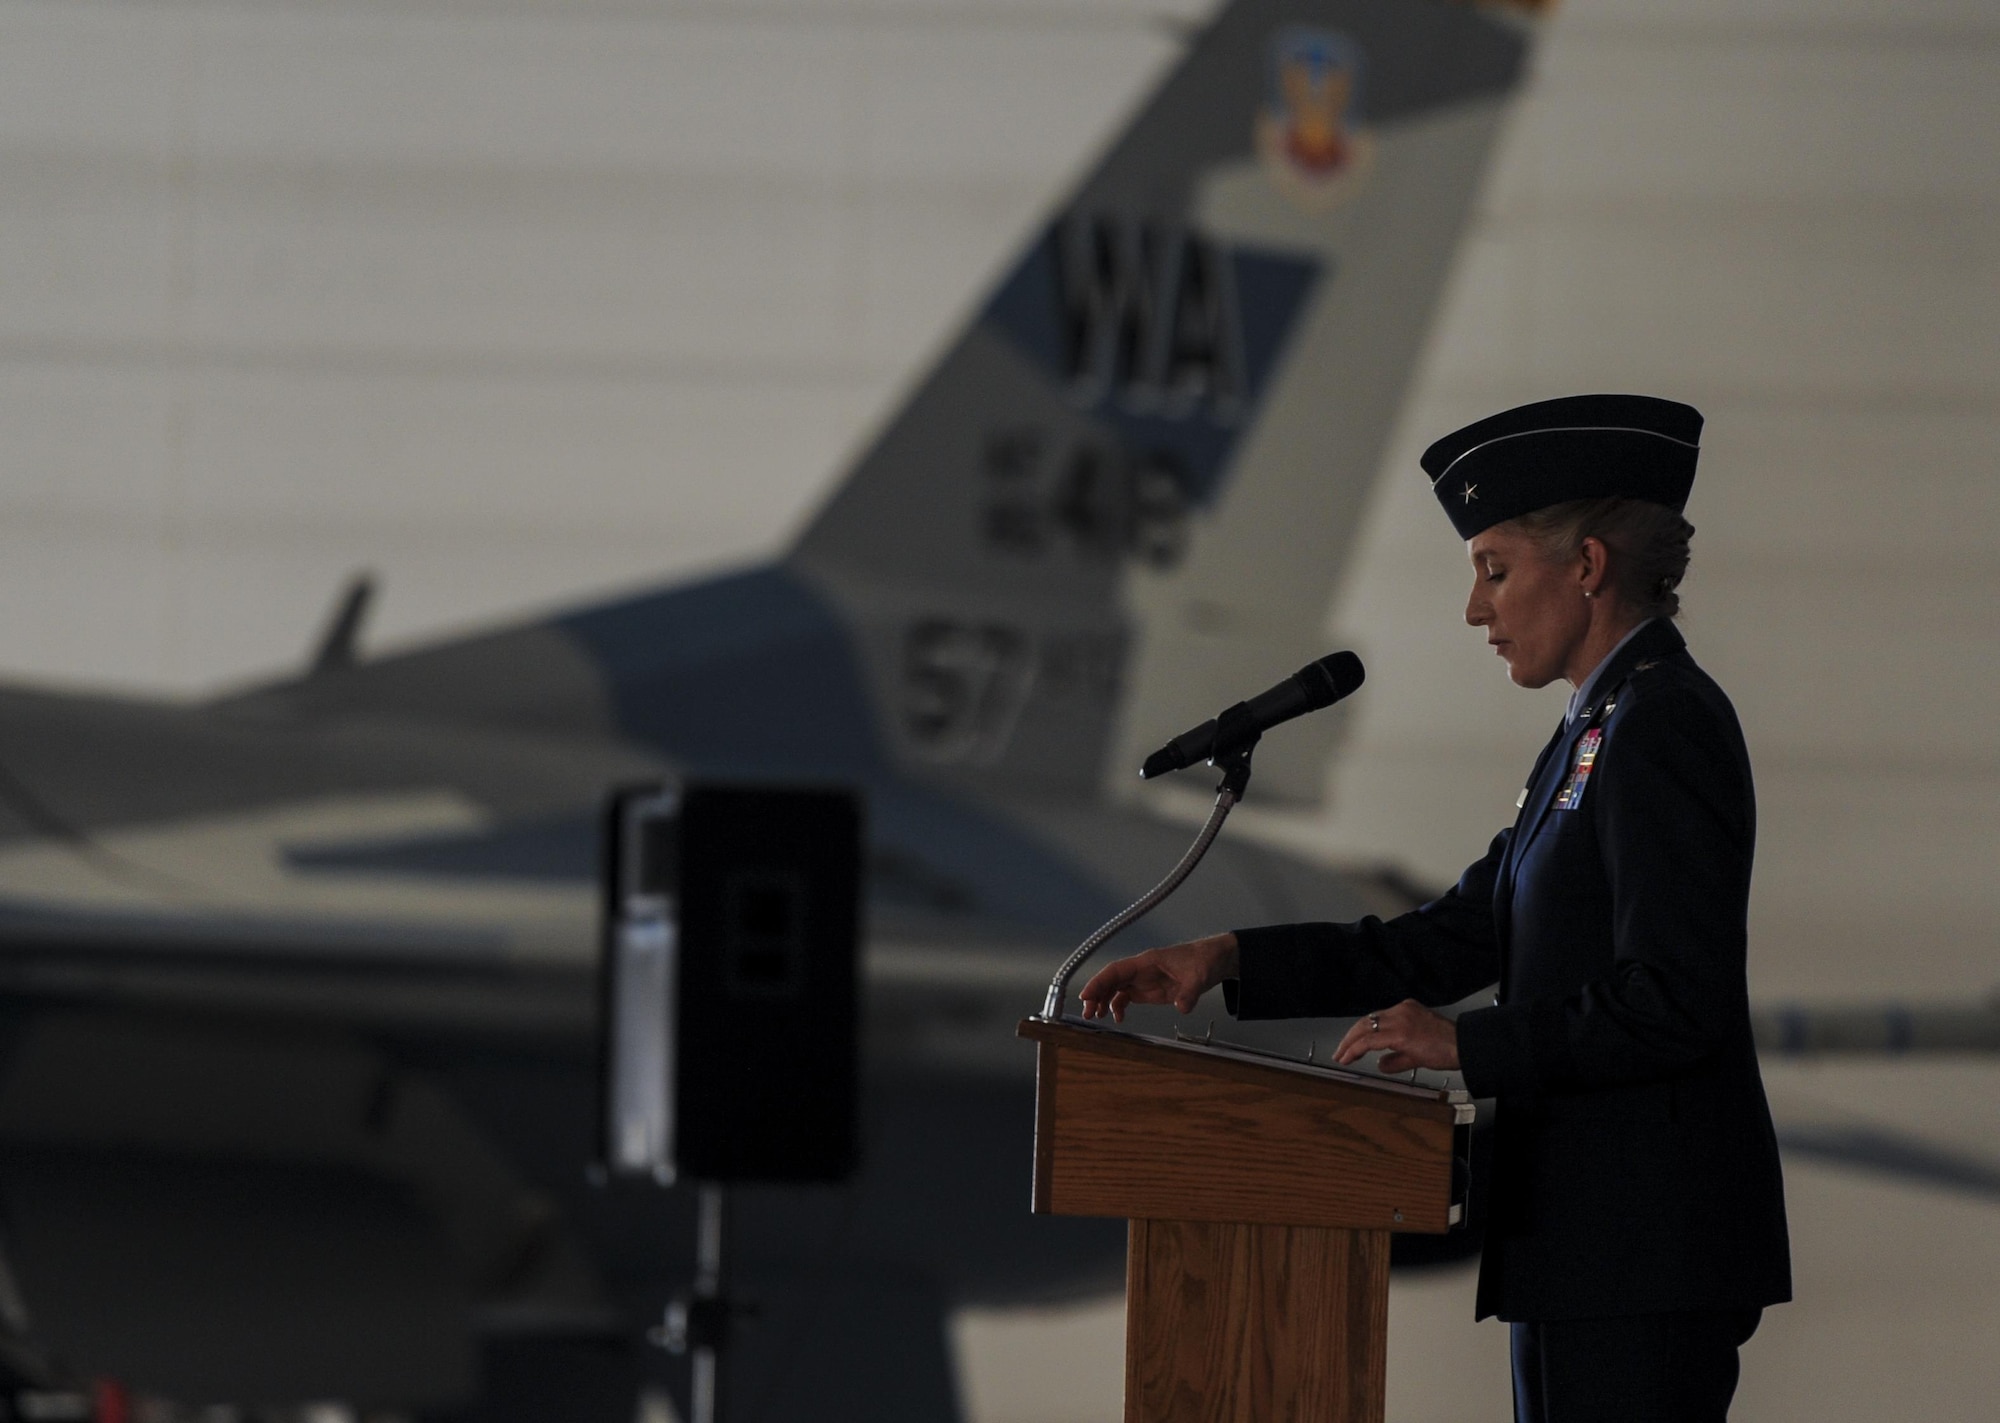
(1471, 492)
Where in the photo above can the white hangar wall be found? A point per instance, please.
(511, 303)
(1790, 223)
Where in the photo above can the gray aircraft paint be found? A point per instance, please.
(1047, 639)
(1252, 593)
(967, 687)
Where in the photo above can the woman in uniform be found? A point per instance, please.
(1637, 1225)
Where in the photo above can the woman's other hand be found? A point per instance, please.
(1178, 974)
(1407, 1035)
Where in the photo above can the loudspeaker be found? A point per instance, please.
(730, 993)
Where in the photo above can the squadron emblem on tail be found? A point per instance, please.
(1308, 133)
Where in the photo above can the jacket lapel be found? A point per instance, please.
(1503, 885)
(1549, 771)
(1658, 639)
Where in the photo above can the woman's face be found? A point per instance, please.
(1534, 611)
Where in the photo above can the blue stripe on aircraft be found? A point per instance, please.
(1271, 290)
(748, 674)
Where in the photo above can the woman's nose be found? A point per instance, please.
(1476, 611)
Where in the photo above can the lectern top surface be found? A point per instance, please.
(1079, 1031)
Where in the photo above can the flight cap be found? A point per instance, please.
(1578, 447)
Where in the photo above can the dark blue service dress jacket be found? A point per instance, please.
(1635, 1167)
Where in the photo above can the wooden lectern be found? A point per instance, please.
(1261, 1194)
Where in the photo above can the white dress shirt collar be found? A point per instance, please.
(1580, 698)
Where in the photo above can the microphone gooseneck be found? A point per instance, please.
(1236, 776)
(1225, 743)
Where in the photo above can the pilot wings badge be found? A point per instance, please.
(1307, 132)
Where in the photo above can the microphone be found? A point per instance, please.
(1317, 684)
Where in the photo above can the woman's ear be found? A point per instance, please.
(1593, 567)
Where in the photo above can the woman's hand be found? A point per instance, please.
(1178, 974)
(1407, 1035)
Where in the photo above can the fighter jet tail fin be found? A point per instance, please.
(1123, 497)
